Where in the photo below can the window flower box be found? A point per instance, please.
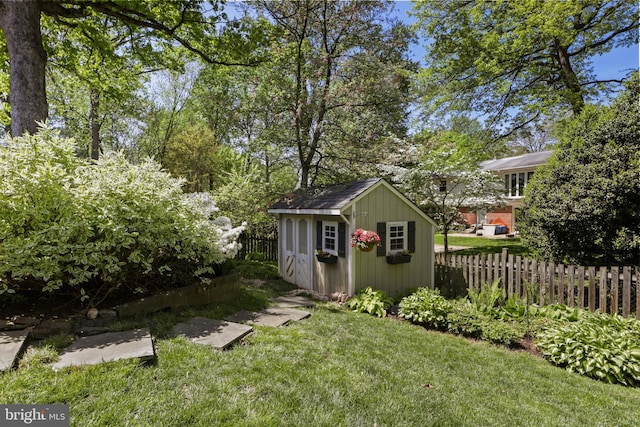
(327, 258)
(399, 258)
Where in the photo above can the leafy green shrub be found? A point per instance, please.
(255, 256)
(599, 346)
(465, 319)
(69, 225)
(500, 332)
(370, 301)
(425, 306)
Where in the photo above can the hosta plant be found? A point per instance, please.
(600, 346)
(426, 306)
(370, 301)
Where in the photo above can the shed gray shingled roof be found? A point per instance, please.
(530, 160)
(329, 197)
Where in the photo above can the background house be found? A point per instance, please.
(516, 171)
(321, 220)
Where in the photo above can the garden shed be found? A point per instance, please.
(315, 226)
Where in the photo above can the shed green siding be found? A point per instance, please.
(382, 205)
(374, 202)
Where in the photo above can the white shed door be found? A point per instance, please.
(297, 252)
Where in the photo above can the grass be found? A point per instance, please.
(337, 368)
(481, 245)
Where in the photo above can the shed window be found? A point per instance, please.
(289, 234)
(330, 237)
(397, 237)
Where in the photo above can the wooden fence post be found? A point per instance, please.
(603, 289)
(534, 274)
(615, 289)
(552, 283)
(570, 286)
(626, 290)
(592, 288)
(483, 271)
(543, 282)
(561, 297)
(525, 278)
(518, 279)
(580, 286)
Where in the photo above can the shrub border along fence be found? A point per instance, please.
(605, 289)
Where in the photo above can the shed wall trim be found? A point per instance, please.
(306, 211)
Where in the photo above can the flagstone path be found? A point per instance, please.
(106, 347)
(259, 318)
(216, 333)
(11, 345)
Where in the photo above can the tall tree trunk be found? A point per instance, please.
(94, 122)
(20, 22)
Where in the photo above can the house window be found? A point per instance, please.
(515, 183)
(330, 237)
(397, 237)
(443, 186)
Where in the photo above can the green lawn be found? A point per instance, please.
(481, 245)
(337, 368)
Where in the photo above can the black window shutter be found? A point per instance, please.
(342, 231)
(411, 236)
(319, 235)
(382, 233)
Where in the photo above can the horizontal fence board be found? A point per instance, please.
(604, 289)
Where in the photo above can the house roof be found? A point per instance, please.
(525, 161)
(332, 197)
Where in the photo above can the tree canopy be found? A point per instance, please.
(513, 62)
(113, 30)
(441, 174)
(338, 80)
(583, 205)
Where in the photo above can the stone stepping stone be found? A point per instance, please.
(293, 301)
(108, 347)
(260, 318)
(294, 314)
(11, 345)
(216, 333)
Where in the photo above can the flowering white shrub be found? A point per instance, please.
(67, 223)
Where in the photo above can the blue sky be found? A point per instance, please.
(613, 65)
